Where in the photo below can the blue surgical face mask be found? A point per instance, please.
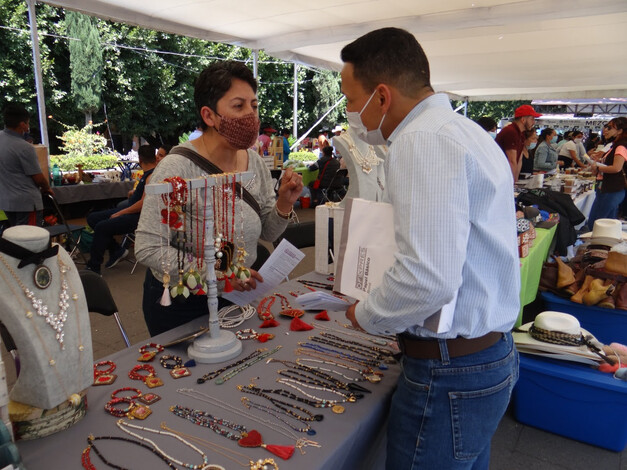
(554, 139)
(492, 134)
(532, 145)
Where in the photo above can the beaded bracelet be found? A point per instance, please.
(108, 371)
(248, 333)
(137, 391)
(178, 362)
(135, 375)
(146, 355)
(109, 407)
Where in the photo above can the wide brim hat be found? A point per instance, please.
(608, 232)
(559, 325)
(338, 129)
(267, 128)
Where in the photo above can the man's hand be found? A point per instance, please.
(350, 315)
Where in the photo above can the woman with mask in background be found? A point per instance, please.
(545, 158)
(225, 95)
(582, 155)
(610, 173)
(528, 151)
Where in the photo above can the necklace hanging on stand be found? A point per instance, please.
(366, 162)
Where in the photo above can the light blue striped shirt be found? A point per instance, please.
(454, 217)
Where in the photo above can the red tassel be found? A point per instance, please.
(262, 338)
(270, 323)
(298, 325)
(285, 452)
(228, 287)
(323, 316)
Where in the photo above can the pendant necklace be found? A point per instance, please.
(368, 373)
(366, 162)
(261, 464)
(54, 321)
(124, 426)
(300, 444)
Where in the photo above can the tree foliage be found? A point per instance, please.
(85, 62)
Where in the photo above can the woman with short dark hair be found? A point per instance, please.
(226, 100)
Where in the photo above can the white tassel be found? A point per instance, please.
(166, 301)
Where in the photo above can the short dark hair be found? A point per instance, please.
(14, 113)
(285, 131)
(547, 131)
(389, 55)
(576, 133)
(213, 83)
(146, 154)
(486, 122)
(166, 147)
(327, 151)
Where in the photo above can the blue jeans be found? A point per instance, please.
(605, 206)
(444, 412)
(104, 230)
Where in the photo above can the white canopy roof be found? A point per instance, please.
(480, 49)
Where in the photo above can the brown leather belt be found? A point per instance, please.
(429, 348)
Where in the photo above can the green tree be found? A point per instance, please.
(85, 63)
(497, 110)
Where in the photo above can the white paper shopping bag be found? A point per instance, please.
(367, 247)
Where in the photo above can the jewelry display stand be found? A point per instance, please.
(49, 394)
(364, 163)
(217, 345)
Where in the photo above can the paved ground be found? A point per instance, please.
(514, 446)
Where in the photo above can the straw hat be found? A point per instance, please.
(557, 335)
(607, 232)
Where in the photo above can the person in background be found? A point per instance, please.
(531, 140)
(108, 223)
(610, 173)
(21, 180)
(327, 167)
(265, 138)
(545, 157)
(567, 152)
(488, 124)
(562, 139)
(162, 152)
(466, 263)
(337, 130)
(323, 138)
(593, 142)
(285, 133)
(196, 132)
(511, 139)
(582, 155)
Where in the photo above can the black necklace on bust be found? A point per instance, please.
(42, 276)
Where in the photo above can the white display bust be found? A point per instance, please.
(364, 163)
(49, 374)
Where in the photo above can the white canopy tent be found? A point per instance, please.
(478, 49)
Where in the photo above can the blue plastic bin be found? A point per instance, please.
(572, 400)
(606, 324)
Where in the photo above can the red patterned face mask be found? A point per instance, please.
(240, 132)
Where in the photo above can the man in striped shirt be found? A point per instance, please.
(451, 191)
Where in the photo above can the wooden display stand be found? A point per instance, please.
(276, 151)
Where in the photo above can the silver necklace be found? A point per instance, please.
(366, 162)
(54, 321)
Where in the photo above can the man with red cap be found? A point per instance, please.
(511, 138)
(265, 138)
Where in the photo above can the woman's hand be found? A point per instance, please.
(289, 191)
(248, 284)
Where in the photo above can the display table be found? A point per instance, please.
(308, 175)
(92, 191)
(584, 203)
(350, 440)
(531, 267)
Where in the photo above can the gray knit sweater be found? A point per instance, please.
(152, 247)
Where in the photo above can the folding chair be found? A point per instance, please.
(100, 300)
(72, 238)
(127, 242)
(262, 255)
(336, 190)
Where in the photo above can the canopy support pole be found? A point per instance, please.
(256, 63)
(316, 123)
(295, 106)
(41, 101)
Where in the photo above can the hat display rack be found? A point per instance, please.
(216, 345)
